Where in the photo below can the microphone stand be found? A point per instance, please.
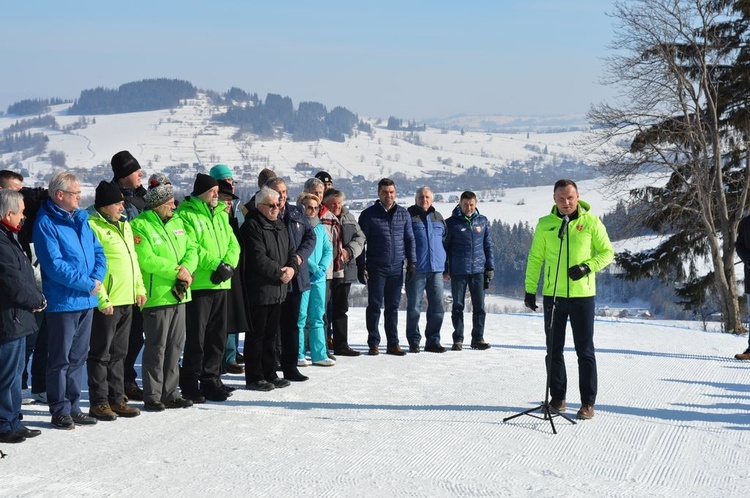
(547, 411)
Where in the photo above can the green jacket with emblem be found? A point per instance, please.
(215, 240)
(162, 248)
(586, 242)
(122, 282)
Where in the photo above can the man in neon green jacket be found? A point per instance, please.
(122, 288)
(207, 222)
(168, 257)
(571, 244)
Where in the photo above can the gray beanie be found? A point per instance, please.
(159, 190)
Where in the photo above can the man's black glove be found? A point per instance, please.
(222, 273)
(488, 276)
(179, 289)
(530, 301)
(362, 274)
(411, 268)
(577, 272)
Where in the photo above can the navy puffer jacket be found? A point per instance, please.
(390, 239)
(468, 244)
(429, 232)
(302, 241)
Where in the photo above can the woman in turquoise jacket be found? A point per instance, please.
(313, 303)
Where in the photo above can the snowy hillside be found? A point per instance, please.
(672, 419)
(186, 135)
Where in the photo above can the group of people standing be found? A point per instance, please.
(135, 271)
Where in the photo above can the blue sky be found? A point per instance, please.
(413, 59)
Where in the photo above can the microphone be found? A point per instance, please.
(563, 227)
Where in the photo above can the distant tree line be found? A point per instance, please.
(397, 124)
(22, 141)
(46, 121)
(511, 244)
(144, 95)
(311, 121)
(626, 222)
(33, 106)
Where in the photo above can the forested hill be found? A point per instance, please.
(145, 95)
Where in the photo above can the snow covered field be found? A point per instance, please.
(672, 419)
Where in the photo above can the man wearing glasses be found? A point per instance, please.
(73, 265)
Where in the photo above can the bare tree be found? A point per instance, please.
(669, 117)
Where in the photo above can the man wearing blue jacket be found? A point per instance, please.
(390, 240)
(469, 263)
(429, 231)
(73, 266)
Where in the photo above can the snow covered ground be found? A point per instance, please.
(672, 419)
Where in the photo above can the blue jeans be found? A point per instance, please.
(69, 336)
(432, 282)
(12, 356)
(383, 290)
(580, 310)
(475, 283)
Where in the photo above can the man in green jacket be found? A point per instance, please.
(168, 258)
(121, 288)
(207, 222)
(572, 245)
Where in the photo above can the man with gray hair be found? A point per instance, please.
(429, 232)
(73, 265)
(271, 265)
(20, 298)
(302, 241)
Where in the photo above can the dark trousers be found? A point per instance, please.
(581, 313)
(69, 334)
(205, 338)
(383, 290)
(107, 351)
(260, 343)
(11, 364)
(475, 283)
(289, 332)
(29, 350)
(36, 348)
(339, 307)
(135, 344)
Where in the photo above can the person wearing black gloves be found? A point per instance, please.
(207, 222)
(469, 264)
(389, 243)
(583, 248)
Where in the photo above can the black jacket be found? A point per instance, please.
(742, 246)
(237, 320)
(19, 294)
(267, 249)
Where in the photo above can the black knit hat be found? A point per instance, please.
(323, 177)
(226, 188)
(203, 183)
(123, 164)
(107, 194)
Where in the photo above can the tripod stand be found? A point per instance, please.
(546, 411)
